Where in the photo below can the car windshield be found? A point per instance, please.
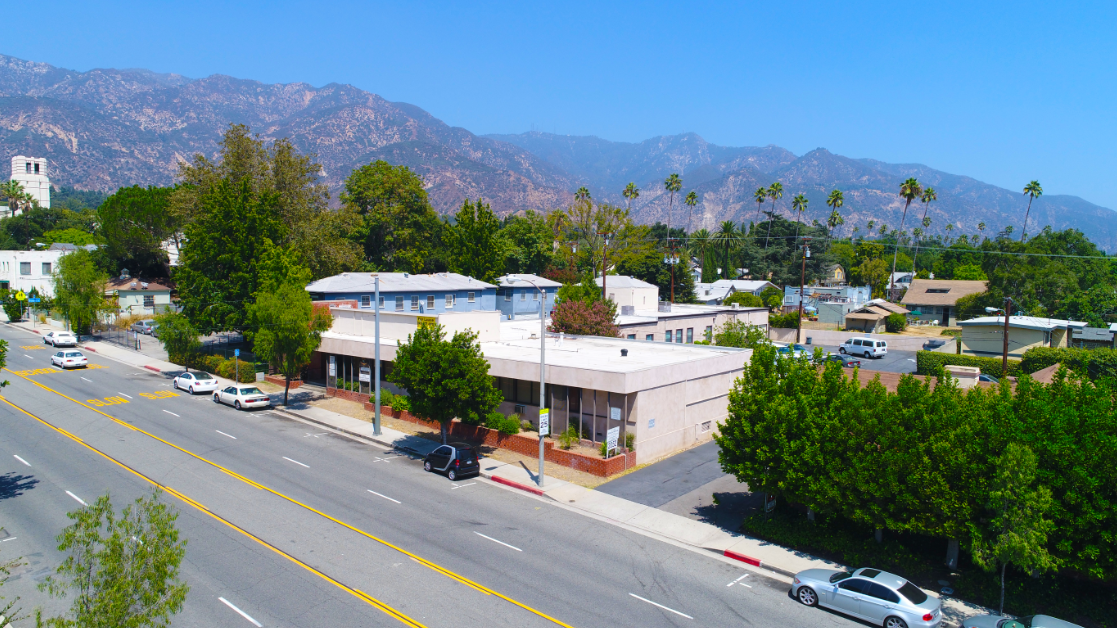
(250, 391)
(784, 350)
(201, 375)
(913, 593)
(800, 348)
(841, 575)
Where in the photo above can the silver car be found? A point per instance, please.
(1032, 621)
(876, 596)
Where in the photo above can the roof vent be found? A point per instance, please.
(133, 284)
(143, 285)
(624, 353)
(124, 273)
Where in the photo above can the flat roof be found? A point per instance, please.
(1023, 322)
(396, 282)
(603, 354)
(680, 310)
(525, 280)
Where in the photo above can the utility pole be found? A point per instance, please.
(802, 280)
(604, 265)
(544, 413)
(376, 361)
(1006, 310)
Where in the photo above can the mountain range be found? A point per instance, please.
(108, 128)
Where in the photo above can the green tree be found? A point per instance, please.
(928, 195)
(744, 299)
(587, 226)
(286, 327)
(123, 570)
(799, 205)
(529, 244)
(969, 272)
(178, 336)
(1032, 190)
(631, 193)
(727, 236)
(691, 200)
(874, 272)
(79, 290)
(444, 378)
(135, 222)
(835, 201)
(473, 244)
(759, 196)
(16, 197)
(1018, 527)
(740, 334)
(909, 191)
(583, 194)
(775, 193)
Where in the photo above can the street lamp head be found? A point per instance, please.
(992, 310)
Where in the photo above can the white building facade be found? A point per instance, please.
(24, 270)
(32, 174)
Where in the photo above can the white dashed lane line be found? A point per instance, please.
(241, 613)
(171, 413)
(496, 541)
(88, 380)
(77, 498)
(660, 606)
(384, 496)
(23, 461)
(224, 434)
(296, 462)
(123, 395)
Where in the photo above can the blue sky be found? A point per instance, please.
(1003, 92)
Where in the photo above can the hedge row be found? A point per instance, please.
(931, 362)
(219, 366)
(1093, 363)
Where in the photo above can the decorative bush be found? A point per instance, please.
(568, 438)
(784, 321)
(931, 362)
(504, 425)
(229, 369)
(630, 441)
(895, 323)
(1094, 363)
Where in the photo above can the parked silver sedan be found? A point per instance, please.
(876, 596)
(1032, 621)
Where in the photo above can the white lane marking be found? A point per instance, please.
(77, 498)
(496, 541)
(296, 462)
(746, 585)
(910, 360)
(123, 395)
(384, 496)
(23, 461)
(660, 606)
(737, 580)
(379, 459)
(224, 434)
(88, 380)
(315, 435)
(171, 413)
(241, 613)
(8, 539)
(27, 356)
(454, 488)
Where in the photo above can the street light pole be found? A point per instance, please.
(604, 265)
(542, 369)
(802, 280)
(376, 361)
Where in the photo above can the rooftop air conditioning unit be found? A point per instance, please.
(628, 310)
(664, 306)
(143, 285)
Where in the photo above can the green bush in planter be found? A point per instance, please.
(569, 438)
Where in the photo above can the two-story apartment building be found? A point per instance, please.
(24, 270)
(404, 292)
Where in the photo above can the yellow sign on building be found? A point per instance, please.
(425, 321)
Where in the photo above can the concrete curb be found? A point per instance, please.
(342, 430)
(523, 487)
(755, 562)
(152, 368)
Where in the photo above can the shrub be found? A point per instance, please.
(604, 451)
(1094, 363)
(895, 323)
(784, 321)
(568, 438)
(527, 426)
(229, 369)
(630, 441)
(931, 362)
(125, 321)
(213, 363)
(744, 299)
(503, 424)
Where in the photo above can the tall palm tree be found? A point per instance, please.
(909, 191)
(1032, 190)
(872, 224)
(631, 193)
(691, 200)
(835, 202)
(582, 194)
(775, 192)
(727, 234)
(834, 221)
(798, 205)
(672, 184)
(759, 195)
(928, 195)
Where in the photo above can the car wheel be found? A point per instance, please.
(452, 474)
(216, 398)
(841, 350)
(807, 596)
(236, 404)
(895, 622)
(427, 466)
(174, 383)
(191, 390)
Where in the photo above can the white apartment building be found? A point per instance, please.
(24, 270)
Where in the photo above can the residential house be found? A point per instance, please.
(1094, 338)
(984, 336)
(835, 275)
(136, 296)
(404, 292)
(870, 318)
(716, 292)
(521, 296)
(937, 299)
(831, 303)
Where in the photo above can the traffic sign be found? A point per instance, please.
(20, 296)
(544, 421)
(33, 300)
(236, 353)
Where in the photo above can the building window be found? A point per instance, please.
(25, 268)
(508, 294)
(366, 301)
(690, 335)
(649, 337)
(381, 303)
(632, 336)
(46, 268)
(399, 304)
(667, 336)
(678, 335)
(471, 297)
(29, 167)
(430, 302)
(149, 300)
(938, 290)
(523, 295)
(414, 302)
(449, 301)
(535, 296)
(709, 333)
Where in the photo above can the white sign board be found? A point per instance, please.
(544, 421)
(611, 437)
(365, 374)
(615, 414)
(333, 366)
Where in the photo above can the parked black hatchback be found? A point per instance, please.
(454, 460)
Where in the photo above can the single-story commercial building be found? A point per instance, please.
(518, 297)
(136, 296)
(937, 299)
(669, 396)
(870, 318)
(682, 323)
(404, 292)
(984, 336)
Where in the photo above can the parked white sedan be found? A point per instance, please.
(242, 397)
(60, 339)
(196, 382)
(68, 359)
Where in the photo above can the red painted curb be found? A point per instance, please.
(744, 559)
(523, 487)
(90, 349)
(152, 368)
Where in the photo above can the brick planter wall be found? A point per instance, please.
(280, 381)
(526, 445)
(347, 395)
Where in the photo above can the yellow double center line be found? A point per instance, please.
(442, 570)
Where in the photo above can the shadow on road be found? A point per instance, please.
(14, 485)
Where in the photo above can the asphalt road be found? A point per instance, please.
(894, 362)
(299, 527)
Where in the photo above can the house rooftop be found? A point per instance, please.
(679, 310)
(125, 284)
(941, 291)
(1024, 322)
(524, 280)
(396, 282)
(624, 281)
(1096, 334)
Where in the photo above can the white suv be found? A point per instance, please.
(865, 347)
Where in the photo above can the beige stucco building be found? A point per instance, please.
(685, 323)
(669, 396)
(985, 336)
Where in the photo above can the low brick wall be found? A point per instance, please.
(279, 380)
(347, 395)
(526, 445)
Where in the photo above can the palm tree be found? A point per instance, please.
(834, 221)
(672, 184)
(760, 194)
(909, 191)
(726, 234)
(1032, 190)
(871, 225)
(582, 194)
(798, 205)
(17, 198)
(631, 193)
(691, 200)
(835, 202)
(775, 192)
(926, 198)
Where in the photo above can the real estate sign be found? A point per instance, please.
(611, 438)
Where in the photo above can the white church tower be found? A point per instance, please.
(31, 173)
